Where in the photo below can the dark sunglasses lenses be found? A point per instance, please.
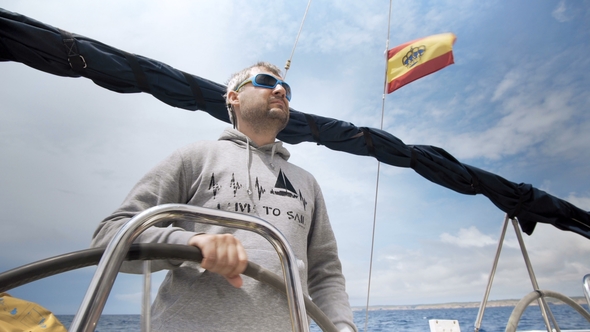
(270, 82)
(265, 80)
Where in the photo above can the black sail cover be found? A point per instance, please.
(62, 53)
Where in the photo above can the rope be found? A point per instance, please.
(288, 63)
(378, 173)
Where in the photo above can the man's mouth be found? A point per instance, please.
(277, 101)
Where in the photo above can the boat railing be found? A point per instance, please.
(537, 294)
(104, 277)
(586, 283)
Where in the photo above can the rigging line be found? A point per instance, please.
(288, 63)
(378, 173)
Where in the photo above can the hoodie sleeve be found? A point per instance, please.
(325, 279)
(165, 183)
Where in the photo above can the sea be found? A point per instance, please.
(494, 320)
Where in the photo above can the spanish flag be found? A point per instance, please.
(418, 58)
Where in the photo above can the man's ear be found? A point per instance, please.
(232, 98)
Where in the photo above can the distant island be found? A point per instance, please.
(458, 305)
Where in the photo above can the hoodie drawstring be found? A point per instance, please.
(272, 155)
(248, 161)
(276, 149)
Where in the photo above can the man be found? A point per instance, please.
(246, 171)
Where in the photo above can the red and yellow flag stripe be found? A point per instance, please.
(418, 58)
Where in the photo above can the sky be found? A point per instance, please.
(515, 103)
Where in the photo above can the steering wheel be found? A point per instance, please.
(143, 251)
(535, 295)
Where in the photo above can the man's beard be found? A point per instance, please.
(266, 118)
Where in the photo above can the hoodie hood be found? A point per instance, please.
(242, 140)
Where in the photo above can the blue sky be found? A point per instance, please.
(515, 103)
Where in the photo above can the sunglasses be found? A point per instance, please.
(268, 82)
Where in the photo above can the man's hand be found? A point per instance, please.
(222, 254)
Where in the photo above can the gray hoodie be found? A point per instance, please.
(233, 174)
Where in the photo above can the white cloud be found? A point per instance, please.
(527, 123)
(583, 202)
(534, 109)
(510, 81)
(560, 13)
(439, 271)
(468, 237)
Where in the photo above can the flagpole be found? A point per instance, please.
(378, 172)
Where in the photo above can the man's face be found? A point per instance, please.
(263, 107)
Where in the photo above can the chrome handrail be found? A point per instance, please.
(586, 285)
(486, 295)
(102, 282)
(545, 310)
(146, 301)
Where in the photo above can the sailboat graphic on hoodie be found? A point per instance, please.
(283, 187)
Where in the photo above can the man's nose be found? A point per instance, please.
(280, 90)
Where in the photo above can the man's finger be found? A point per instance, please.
(235, 281)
